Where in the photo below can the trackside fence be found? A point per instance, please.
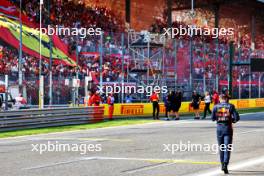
(34, 118)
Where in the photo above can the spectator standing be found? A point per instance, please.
(225, 92)
(170, 98)
(1, 102)
(96, 99)
(88, 99)
(128, 99)
(196, 100)
(178, 101)
(166, 105)
(154, 98)
(20, 102)
(207, 101)
(110, 102)
(215, 97)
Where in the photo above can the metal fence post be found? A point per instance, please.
(204, 74)
(239, 86)
(41, 92)
(20, 76)
(259, 84)
(191, 64)
(230, 70)
(123, 74)
(175, 62)
(6, 92)
(50, 73)
(101, 60)
(249, 85)
(217, 66)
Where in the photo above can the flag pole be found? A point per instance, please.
(41, 81)
(20, 51)
(50, 59)
(40, 26)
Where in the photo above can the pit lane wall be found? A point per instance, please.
(141, 109)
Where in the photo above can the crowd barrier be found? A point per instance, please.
(35, 118)
(141, 109)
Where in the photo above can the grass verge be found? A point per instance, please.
(252, 110)
(74, 127)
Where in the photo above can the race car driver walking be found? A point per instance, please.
(225, 115)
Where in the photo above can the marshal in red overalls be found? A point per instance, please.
(110, 102)
(154, 98)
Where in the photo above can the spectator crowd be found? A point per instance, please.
(208, 58)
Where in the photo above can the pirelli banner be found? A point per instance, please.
(141, 109)
(248, 103)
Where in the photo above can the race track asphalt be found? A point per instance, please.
(137, 150)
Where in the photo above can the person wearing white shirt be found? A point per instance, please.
(207, 101)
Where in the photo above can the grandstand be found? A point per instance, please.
(82, 100)
(199, 62)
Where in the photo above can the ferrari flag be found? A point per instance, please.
(10, 9)
(10, 33)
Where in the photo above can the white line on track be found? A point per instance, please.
(148, 168)
(56, 164)
(78, 131)
(251, 131)
(252, 113)
(159, 162)
(233, 167)
(156, 160)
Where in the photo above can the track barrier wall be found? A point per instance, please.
(141, 109)
(35, 118)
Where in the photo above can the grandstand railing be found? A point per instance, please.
(201, 74)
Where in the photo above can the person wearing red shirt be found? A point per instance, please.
(20, 101)
(154, 98)
(96, 99)
(215, 98)
(110, 102)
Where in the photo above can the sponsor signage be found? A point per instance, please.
(242, 104)
(132, 109)
(260, 102)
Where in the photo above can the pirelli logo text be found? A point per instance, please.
(260, 102)
(132, 109)
(162, 108)
(243, 104)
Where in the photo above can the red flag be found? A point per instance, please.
(9, 32)
(10, 9)
(9, 35)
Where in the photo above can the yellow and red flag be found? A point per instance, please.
(10, 33)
